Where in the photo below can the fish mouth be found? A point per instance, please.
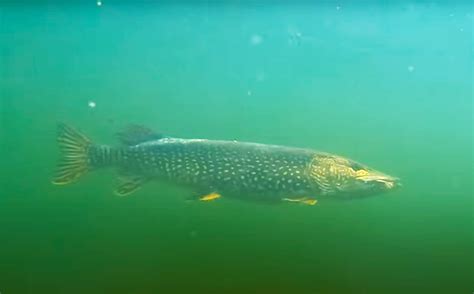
(389, 182)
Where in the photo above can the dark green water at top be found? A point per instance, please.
(387, 85)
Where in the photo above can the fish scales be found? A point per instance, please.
(225, 166)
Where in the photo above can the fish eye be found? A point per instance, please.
(356, 166)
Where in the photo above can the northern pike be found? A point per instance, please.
(217, 168)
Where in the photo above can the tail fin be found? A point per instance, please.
(75, 160)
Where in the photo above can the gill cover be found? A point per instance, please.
(331, 173)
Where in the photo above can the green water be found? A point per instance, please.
(387, 85)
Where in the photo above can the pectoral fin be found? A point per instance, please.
(309, 201)
(303, 200)
(129, 184)
(210, 197)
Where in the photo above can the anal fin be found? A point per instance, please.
(129, 184)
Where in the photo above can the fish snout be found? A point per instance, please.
(380, 179)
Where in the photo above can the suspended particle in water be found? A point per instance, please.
(294, 36)
(411, 68)
(91, 104)
(249, 93)
(260, 77)
(99, 3)
(256, 39)
(338, 7)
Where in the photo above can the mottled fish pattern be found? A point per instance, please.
(231, 168)
(223, 166)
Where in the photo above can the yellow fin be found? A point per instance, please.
(310, 201)
(210, 197)
(303, 200)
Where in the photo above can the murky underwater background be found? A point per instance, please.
(387, 85)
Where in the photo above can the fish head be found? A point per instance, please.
(367, 181)
(334, 175)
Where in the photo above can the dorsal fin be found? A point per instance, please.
(136, 134)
